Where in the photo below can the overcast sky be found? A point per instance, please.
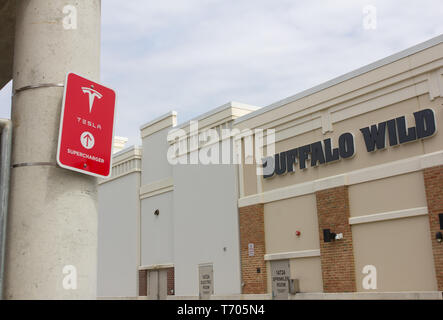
(195, 55)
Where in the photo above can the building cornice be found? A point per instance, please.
(165, 121)
(124, 162)
(229, 111)
(368, 75)
(156, 188)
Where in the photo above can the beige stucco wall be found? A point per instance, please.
(400, 250)
(250, 179)
(406, 108)
(308, 272)
(298, 176)
(362, 158)
(394, 193)
(284, 218)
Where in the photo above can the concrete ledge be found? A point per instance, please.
(120, 298)
(243, 297)
(407, 295)
(432, 295)
(292, 255)
(156, 187)
(124, 162)
(226, 297)
(391, 215)
(156, 266)
(168, 120)
(229, 111)
(127, 154)
(182, 298)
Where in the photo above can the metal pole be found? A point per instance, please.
(6, 129)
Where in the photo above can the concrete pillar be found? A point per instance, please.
(53, 211)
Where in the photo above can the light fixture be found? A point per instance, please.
(328, 236)
(439, 236)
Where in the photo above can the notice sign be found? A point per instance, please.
(251, 251)
(206, 281)
(280, 272)
(86, 127)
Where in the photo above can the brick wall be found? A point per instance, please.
(337, 257)
(433, 178)
(252, 230)
(142, 282)
(171, 281)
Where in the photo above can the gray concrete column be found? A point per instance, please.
(53, 211)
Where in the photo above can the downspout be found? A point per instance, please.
(5, 169)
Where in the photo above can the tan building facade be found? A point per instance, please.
(358, 160)
(349, 203)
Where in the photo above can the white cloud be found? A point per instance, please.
(194, 55)
(197, 55)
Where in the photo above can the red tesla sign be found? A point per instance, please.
(86, 127)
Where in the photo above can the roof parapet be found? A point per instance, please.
(165, 121)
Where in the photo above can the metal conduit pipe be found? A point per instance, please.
(5, 169)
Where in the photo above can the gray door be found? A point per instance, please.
(163, 284)
(206, 281)
(157, 284)
(280, 279)
(153, 284)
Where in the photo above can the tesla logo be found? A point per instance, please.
(92, 95)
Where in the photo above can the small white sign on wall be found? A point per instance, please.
(251, 249)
